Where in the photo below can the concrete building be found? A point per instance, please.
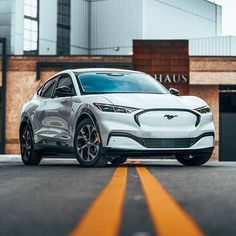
(116, 23)
(107, 27)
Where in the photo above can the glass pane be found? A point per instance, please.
(34, 3)
(34, 12)
(27, 2)
(27, 34)
(27, 24)
(27, 10)
(34, 36)
(34, 46)
(27, 46)
(34, 25)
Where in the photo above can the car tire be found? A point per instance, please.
(118, 161)
(88, 146)
(29, 155)
(194, 160)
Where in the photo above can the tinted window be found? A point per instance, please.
(66, 81)
(119, 82)
(63, 27)
(48, 88)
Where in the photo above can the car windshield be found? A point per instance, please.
(118, 82)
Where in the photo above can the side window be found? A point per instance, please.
(48, 88)
(66, 80)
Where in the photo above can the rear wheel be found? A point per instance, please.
(88, 146)
(28, 154)
(194, 160)
(118, 161)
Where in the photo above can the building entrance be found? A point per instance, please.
(227, 145)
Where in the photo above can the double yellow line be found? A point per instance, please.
(104, 216)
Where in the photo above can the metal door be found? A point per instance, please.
(227, 147)
(60, 115)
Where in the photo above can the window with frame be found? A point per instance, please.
(63, 27)
(66, 80)
(31, 27)
(47, 89)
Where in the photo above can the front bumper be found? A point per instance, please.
(153, 132)
(128, 141)
(154, 153)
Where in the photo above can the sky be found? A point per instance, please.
(228, 16)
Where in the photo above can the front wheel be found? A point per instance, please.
(88, 146)
(194, 159)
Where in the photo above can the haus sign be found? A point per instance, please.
(166, 60)
(174, 78)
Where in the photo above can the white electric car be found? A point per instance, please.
(107, 115)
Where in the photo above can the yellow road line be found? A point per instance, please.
(167, 216)
(104, 216)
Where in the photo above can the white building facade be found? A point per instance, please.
(102, 27)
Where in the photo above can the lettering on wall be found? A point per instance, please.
(166, 60)
(166, 78)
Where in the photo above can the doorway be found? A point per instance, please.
(227, 147)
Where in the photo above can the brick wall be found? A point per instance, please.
(210, 94)
(163, 57)
(206, 74)
(213, 70)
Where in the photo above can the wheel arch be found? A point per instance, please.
(86, 113)
(25, 121)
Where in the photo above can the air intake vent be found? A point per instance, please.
(168, 143)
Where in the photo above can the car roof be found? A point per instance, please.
(100, 70)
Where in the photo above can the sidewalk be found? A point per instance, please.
(8, 157)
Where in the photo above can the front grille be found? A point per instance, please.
(168, 143)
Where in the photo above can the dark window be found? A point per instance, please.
(119, 82)
(66, 80)
(63, 27)
(48, 88)
(31, 28)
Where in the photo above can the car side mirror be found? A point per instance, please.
(63, 91)
(174, 91)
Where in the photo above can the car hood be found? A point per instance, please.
(149, 101)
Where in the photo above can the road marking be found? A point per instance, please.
(167, 216)
(103, 218)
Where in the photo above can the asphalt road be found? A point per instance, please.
(61, 198)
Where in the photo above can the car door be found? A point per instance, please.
(60, 114)
(39, 116)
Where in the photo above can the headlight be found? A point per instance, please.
(114, 108)
(203, 110)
